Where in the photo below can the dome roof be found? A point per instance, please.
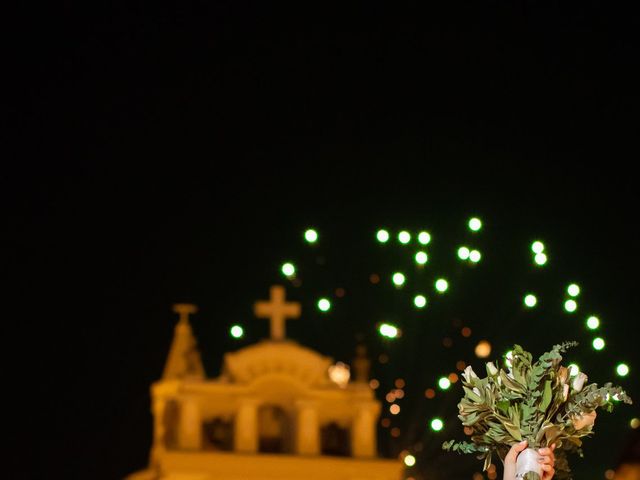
(280, 357)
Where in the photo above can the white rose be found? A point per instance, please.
(578, 381)
(582, 421)
(469, 374)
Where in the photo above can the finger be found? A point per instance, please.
(547, 468)
(545, 460)
(545, 451)
(548, 475)
(515, 450)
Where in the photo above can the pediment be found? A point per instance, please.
(284, 358)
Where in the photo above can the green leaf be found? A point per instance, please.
(546, 396)
(513, 430)
(531, 476)
(503, 406)
(487, 461)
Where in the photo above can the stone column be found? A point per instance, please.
(190, 426)
(245, 435)
(307, 429)
(363, 430)
(159, 429)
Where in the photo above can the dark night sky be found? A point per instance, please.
(184, 148)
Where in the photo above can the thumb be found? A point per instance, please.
(515, 450)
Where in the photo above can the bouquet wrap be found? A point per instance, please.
(527, 463)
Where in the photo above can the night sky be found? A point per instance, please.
(177, 153)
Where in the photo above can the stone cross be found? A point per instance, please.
(184, 310)
(277, 311)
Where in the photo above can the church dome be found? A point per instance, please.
(282, 357)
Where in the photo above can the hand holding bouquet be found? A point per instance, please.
(541, 402)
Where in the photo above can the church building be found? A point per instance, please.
(278, 410)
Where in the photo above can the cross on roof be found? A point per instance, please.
(277, 311)
(184, 310)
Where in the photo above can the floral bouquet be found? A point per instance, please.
(542, 402)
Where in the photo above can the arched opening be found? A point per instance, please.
(218, 434)
(335, 440)
(274, 430)
(170, 420)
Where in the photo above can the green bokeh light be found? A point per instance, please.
(530, 300)
(444, 383)
(598, 343)
(236, 331)
(437, 424)
(422, 258)
(442, 285)
(424, 238)
(541, 258)
(573, 290)
(311, 236)
(622, 369)
(537, 247)
(398, 279)
(570, 306)
(463, 253)
(420, 301)
(388, 330)
(475, 224)
(324, 304)
(475, 256)
(593, 322)
(382, 236)
(288, 269)
(404, 237)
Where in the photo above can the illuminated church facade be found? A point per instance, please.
(278, 410)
